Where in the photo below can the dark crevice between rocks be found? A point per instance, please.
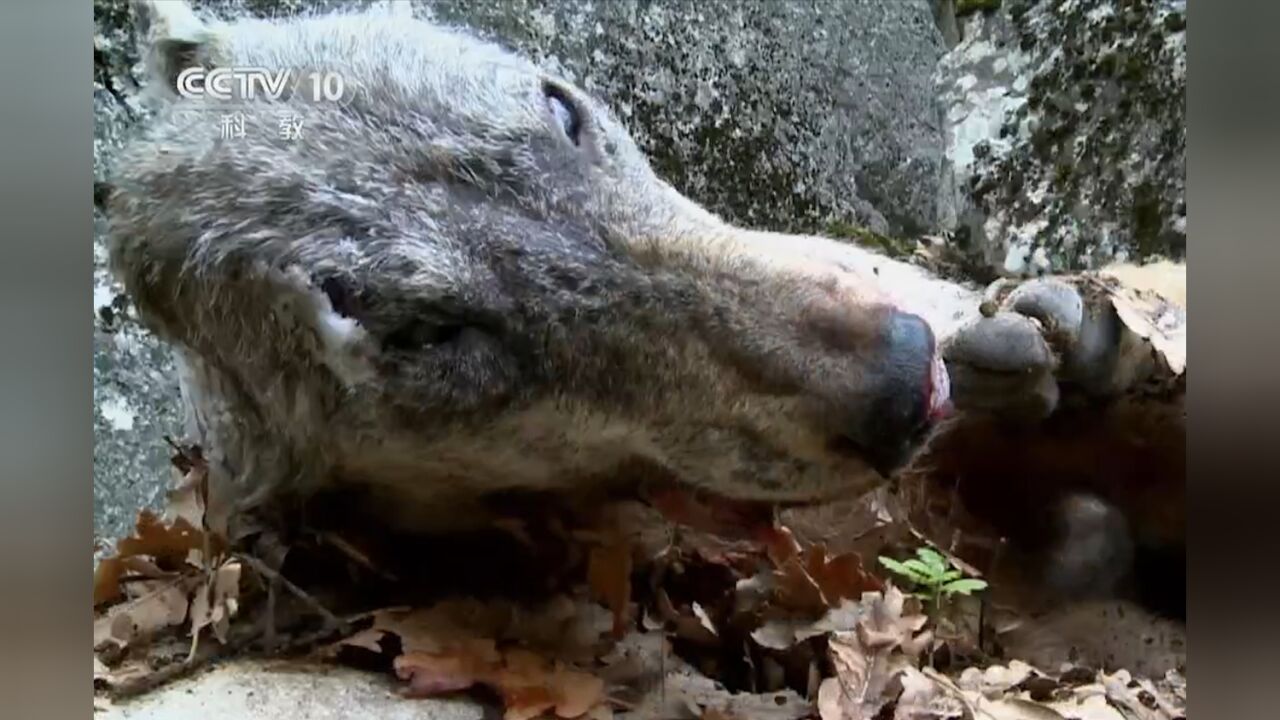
(967, 7)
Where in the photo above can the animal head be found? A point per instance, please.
(465, 274)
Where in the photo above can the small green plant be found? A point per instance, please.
(936, 577)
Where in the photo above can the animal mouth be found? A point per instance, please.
(735, 518)
(887, 453)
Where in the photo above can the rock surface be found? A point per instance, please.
(1067, 132)
(784, 116)
(135, 391)
(257, 690)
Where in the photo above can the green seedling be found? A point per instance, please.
(936, 578)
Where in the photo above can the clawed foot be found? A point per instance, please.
(1038, 341)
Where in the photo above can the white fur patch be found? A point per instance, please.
(343, 343)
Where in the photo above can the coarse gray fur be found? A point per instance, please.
(468, 279)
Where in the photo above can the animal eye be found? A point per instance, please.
(564, 111)
(419, 334)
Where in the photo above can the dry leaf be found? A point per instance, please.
(143, 617)
(1002, 707)
(106, 580)
(564, 627)
(1120, 694)
(432, 674)
(171, 545)
(867, 659)
(797, 590)
(168, 544)
(528, 684)
(996, 679)
(214, 602)
(1088, 707)
(924, 699)
(810, 582)
(440, 628)
(1156, 319)
(784, 631)
(578, 692)
(454, 645)
(841, 576)
(609, 576)
(111, 572)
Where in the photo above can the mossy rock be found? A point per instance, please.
(858, 235)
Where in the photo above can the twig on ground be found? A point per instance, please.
(355, 555)
(330, 619)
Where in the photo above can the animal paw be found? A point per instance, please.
(1040, 340)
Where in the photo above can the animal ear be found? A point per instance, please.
(174, 38)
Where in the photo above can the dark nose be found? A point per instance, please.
(908, 392)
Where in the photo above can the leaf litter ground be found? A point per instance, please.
(631, 618)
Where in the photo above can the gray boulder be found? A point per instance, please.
(785, 116)
(1067, 132)
(135, 391)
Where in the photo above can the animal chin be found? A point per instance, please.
(710, 512)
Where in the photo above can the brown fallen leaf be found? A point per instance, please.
(432, 674)
(1085, 707)
(153, 543)
(797, 590)
(924, 699)
(140, 618)
(169, 545)
(111, 574)
(810, 582)
(1121, 694)
(782, 630)
(858, 691)
(214, 602)
(839, 577)
(1161, 321)
(609, 576)
(563, 627)
(866, 660)
(106, 580)
(528, 684)
(996, 679)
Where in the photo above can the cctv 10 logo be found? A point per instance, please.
(252, 83)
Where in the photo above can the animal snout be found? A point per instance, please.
(905, 391)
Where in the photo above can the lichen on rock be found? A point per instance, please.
(1068, 132)
(784, 116)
